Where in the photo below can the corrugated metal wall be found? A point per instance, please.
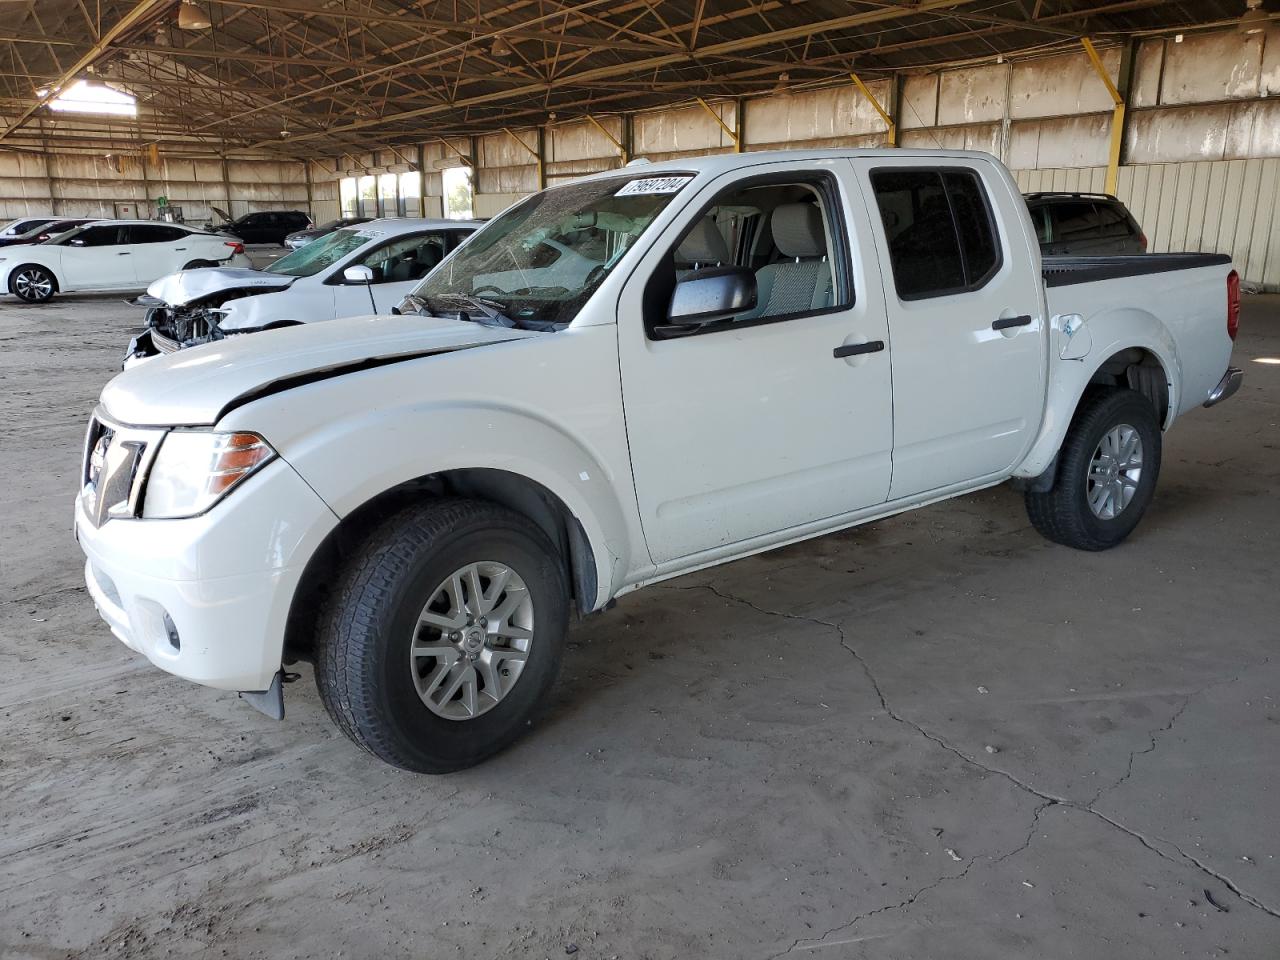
(76, 185)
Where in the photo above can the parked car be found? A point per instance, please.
(23, 225)
(1084, 224)
(774, 346)
(43, 232)
(91, 258)
(312, 283)
(302, 237)
(267, 226)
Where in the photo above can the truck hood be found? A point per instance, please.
(194, 387)
(188, 286)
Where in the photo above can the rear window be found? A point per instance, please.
(1087, 220)
(941, 234)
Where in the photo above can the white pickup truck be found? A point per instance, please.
(772, 346)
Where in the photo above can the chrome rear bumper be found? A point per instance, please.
(1227, 386)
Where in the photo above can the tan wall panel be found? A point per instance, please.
(1056, 86)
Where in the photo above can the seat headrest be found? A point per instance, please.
(797, 230)
(704, 244)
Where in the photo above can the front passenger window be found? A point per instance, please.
(778, 235)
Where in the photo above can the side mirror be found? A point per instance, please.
(706, 296)
(357, 276)
(76, 243)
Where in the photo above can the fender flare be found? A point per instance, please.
(354, 460)
(1127, 328)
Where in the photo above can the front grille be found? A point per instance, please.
(115, 462)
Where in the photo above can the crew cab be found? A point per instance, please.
(111, 255)
(366, 268)
(770, 347)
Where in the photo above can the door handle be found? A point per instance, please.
(123, 253)
(182, 249)
(1004, 323)
(854, 349)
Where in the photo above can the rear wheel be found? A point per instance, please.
(32, 283)
(444, 636)
(1107, 471)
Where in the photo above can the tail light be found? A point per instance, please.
(1142, 241)
(235, 245)
(1233, 304)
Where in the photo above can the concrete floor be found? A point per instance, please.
(936, 736)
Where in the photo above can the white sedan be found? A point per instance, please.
(365, 269)
(112, 255)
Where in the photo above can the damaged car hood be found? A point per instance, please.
(188, 286)
(194, 387)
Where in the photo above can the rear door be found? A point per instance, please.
(157, 249)
(749, 428)
(964, 302)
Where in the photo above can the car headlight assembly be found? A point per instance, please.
(194, 469)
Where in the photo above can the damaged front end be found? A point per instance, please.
(190, 308)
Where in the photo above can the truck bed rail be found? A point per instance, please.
(1064, 271)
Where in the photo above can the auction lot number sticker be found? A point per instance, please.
(652, 185)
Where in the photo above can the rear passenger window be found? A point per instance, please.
(941, 234)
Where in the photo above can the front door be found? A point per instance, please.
(751, 427)
(98, 258)
(964, 316)
(398, 266)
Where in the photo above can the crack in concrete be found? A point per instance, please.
(813, 943)
(1049, 798)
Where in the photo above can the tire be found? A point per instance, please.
(368, 680)
(32, 283)
(196, 264)
(1095, 506)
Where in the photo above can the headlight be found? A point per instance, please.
(194, 469)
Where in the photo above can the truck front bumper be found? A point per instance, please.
(207, 598)
(1226, 387)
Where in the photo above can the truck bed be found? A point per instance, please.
(1064, 271)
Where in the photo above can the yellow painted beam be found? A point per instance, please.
(622, 151)
(460, 155)
(1117, 116)
(893, 127)
(731, 134)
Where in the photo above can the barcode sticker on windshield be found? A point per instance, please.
(653, 185)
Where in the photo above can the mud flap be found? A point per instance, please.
(269, 701)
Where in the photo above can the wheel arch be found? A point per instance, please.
(1142, 358)
(511, 490)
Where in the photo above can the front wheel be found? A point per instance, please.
(1107, 471)
(32, 283)
(444, 635)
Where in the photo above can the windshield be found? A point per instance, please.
(539, 262)
(319, 254)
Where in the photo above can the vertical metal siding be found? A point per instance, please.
(1209, 206)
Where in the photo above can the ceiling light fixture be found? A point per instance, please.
(1254, 19)
(192, 16)
(781, 88)
(500, 48)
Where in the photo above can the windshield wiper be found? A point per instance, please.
(493, 316)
